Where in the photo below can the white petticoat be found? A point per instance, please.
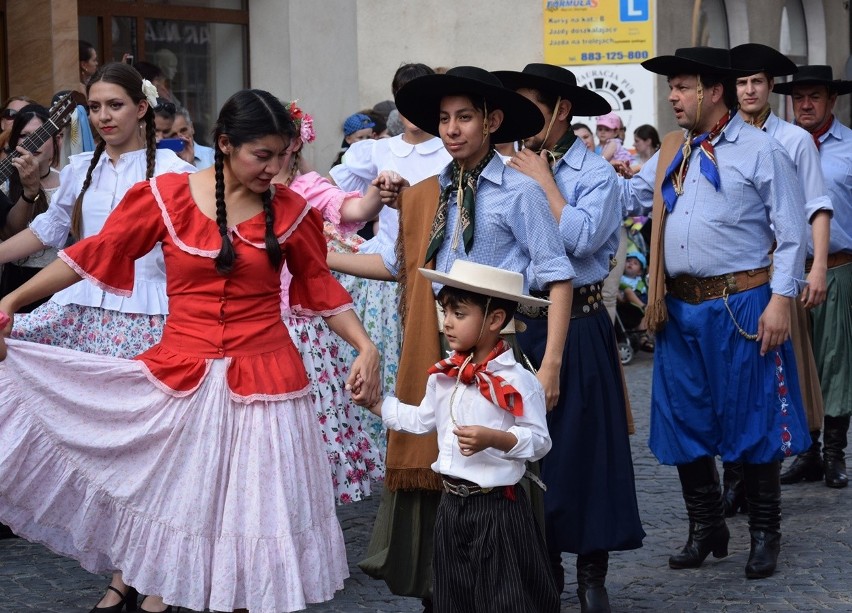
(207, 502)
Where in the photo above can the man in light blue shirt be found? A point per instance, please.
(724, 371)
(590, 506)
(753, 97)
(814, 92)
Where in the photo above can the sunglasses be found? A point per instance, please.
(165, 107)
(9, 113)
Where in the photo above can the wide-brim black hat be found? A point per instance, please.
(419, 101)
(559, 82)
(815, 74)
(694, 61)
(761, 58)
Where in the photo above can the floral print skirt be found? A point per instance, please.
(354, 456)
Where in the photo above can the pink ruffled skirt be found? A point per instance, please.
(207, 502)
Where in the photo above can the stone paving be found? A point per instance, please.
(814, 573)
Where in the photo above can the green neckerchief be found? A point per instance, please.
(465, 182)
(561, 147)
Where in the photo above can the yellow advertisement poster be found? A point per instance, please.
(580, 32)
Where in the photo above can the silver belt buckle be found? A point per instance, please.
(463, 490)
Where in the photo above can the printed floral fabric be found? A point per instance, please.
(89, 329)
(375, 303)
(355, 458)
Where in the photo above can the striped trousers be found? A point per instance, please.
(490, 556)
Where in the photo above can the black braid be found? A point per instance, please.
(273, 249)
(77, 211)
(150, 143)
(225, 259)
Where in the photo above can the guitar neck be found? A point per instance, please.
(32, 144)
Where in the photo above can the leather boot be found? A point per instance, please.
(591, 576)
(834, 444)
(708, 532)
(733, 488)
(763, 491)
(807, 466)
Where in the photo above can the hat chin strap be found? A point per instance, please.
(700, 92)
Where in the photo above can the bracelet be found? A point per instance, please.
(28, 201)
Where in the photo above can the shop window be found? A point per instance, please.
(199, 45)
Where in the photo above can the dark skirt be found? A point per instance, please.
(490, 556)
(400, 549)
(590, 503)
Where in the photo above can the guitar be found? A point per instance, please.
(60, 116)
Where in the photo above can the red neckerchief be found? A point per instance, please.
(822, 130)
(495, 388)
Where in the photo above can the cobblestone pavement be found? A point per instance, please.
(813, 574)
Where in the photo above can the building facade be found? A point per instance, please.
(338, 56)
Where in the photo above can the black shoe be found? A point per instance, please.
(168, 609)
(763, 556)
(807, 466)
(733, 492)
(708, 532)
(128, 600)
(763, 489)
(702, 541)
(591, 577)
(834, 445)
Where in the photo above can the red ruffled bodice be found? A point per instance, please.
(213, 316)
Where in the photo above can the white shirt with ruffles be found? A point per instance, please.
(109, 184)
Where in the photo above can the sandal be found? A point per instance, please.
(646, 342)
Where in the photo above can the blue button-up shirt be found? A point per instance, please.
(760, 202)
(591, 220)
(835, 152)
(513, 229)
(799, 145)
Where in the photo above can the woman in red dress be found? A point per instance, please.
(214, 491)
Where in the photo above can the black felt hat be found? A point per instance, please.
(815, 74)
(559, 82)
(761, 58)
(695, 60)
(419, 101)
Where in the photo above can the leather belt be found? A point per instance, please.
(462, 487)
(696, 290)
(588, 300)
(838, 258)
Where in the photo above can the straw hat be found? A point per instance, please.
(485, 280)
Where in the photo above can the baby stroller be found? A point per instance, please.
(629, 332)
(627, 319)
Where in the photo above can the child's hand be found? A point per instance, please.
(473, 439)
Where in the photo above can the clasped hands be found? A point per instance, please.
(390, 184)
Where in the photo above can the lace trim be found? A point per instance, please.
(124, 293)
(282, 238)
(165, 388)
(171, 229)
(297, 309)
(270, 397)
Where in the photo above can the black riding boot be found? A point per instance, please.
(591, 576)
(763, 491)
(708, 532)
(833, 446)
(733, 488)
(807, 466)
